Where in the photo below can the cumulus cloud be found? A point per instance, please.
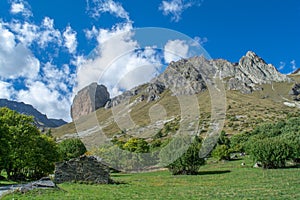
(70, 40)
(40, 83)
(20, 6)
(92, 33)
(174, 50)
(7, 90)
(97, 7)
(175, 8)
(45, 100)
(118, 62)
(16, 60)
(48, 34)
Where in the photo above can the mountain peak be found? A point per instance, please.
(251, 54)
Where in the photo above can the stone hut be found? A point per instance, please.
(84, 168)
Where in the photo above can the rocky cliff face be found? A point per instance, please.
(40, 119)
(185, 77)
(88, 100)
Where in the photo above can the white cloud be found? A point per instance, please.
(293, 65)
(116, 64)
(20, 6)
(89, 34)
(6, 89)
(97, 7)
(281, 65)
(46, 100)
(48, 34)
(174, 8)
(174, 50)
(16, 60)
(28, 33)
(70, 40)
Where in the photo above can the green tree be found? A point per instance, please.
(271, 152)
(222, 150)
(24, 156)
(71, 148)
(189, 162)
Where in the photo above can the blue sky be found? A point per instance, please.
(45, 46)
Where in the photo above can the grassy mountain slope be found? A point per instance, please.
(244, 112)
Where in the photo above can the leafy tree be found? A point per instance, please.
(189, 162)
(71, 148)
(271, 152)
(22, 152)
(238, 141)
(222, 150)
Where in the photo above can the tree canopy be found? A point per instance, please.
(24, 152)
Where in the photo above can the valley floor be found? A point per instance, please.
(216, 180)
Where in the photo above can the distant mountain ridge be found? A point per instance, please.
(40, 119)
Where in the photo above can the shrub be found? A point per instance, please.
(221, 152)
(271, 152)
(186, 164)
(238, 141)
(137, 145)
(71, 148)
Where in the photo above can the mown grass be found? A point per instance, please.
(216, 180)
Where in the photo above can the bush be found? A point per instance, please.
(238, 141)
(71, 148)
(136, 145)
(189, 162)
(271, 152)
(221, 152)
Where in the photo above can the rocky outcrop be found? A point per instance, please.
(188, 76)
(184, 77)
(88, 100)
(295, 91)
(40, 119)
(87, 169)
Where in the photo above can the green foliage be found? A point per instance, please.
(238, 141)
(24, 152)
(271, 144)
(188, 162)
(271, 152)
(71, 148)
(221, 152)
(137, 145)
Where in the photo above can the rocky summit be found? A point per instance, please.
(89, 99)
(185, 77)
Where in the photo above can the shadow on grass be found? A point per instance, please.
(119, 175)
(213, 172)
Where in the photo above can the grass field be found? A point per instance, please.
(217, 180)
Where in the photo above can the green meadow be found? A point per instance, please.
(216, 180)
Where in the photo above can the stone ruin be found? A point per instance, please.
(87, 169)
